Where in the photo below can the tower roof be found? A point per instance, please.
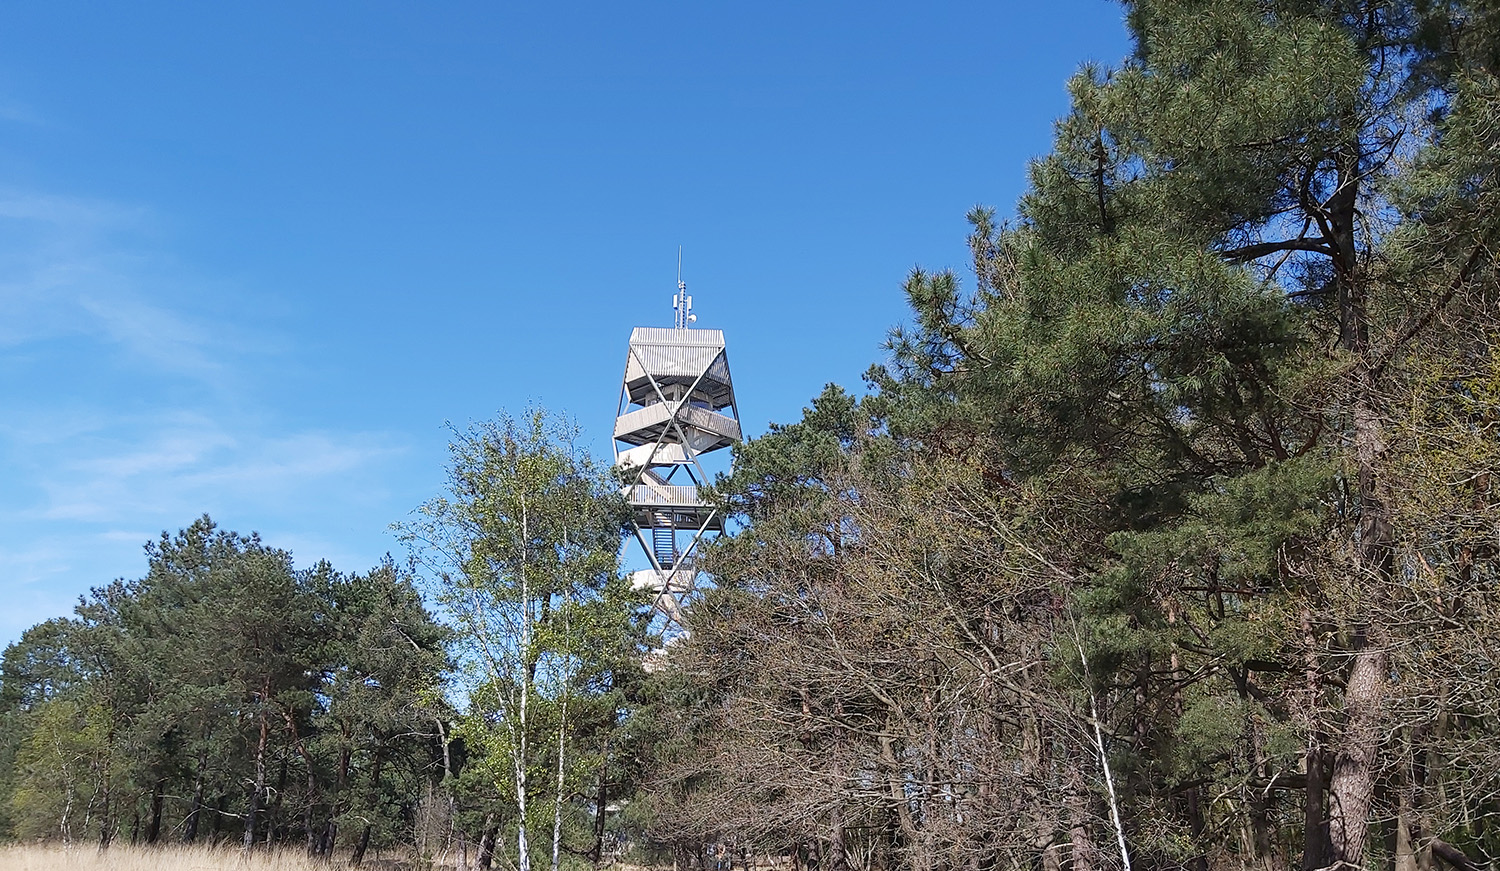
(672, 356)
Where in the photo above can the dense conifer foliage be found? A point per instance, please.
(1169, 539)
(225, 695)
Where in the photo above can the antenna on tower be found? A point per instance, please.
(682, 304)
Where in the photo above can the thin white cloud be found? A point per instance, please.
(28, 431)
(87, 268)
(91, 500)
(38, 578)
(34, 561)
(181, 464)
(276, 463)
(131, 536)
(157, 335)
(53, 251)
(89, 473)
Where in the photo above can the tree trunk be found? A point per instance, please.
(1454, 856)
(1084, 854)
(520, 735)
(896, 788)
(106, 788)
(1259, 803)
(308, 828)
(1405, 853)
(836, 857)
(487, 840)
(273, 814)
(1314, 832)
(1199, 862)
(557, 796)
(328, 839)
(1352, 786)
(1052, 859)
(260, 778)
(359, 849)
(523, 845)
(601, 801)
(195, 808)
(153, 829)
(106, 823)
(374, 802)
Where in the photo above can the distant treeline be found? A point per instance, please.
(225, 695)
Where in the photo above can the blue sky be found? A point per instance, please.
(252, 257)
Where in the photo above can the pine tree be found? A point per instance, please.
(1207, 302)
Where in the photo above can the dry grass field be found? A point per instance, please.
(52, 857)
(121, 858)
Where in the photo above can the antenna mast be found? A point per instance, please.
(682, 304)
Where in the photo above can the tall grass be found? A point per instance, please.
(124, 858)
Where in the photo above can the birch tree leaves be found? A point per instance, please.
(522, 553)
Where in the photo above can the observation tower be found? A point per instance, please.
(676, 405)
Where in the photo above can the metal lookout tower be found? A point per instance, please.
(676, 404)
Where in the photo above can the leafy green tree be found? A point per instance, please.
(225, 686)
(523, 555)
(227, 620)
(35, 669)
(384, 660)
(60, 769)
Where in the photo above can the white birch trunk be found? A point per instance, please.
(1109, 780)
(557, 798)
(523, 846)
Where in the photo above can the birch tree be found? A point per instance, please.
(530, 527)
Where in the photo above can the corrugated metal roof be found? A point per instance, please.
(669, 336)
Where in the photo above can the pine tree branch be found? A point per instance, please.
(1246, 253)
(1453, 856)
(1413, 326)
